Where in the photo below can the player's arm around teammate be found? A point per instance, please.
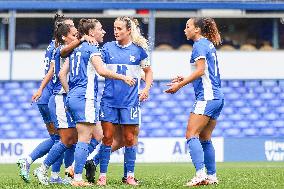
(84, 62)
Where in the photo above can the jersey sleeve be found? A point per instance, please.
(93, 50)
(145, 62)
(104, 53)
(198, 52)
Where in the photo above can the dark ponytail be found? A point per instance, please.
(208, 29)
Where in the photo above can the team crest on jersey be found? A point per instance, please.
(131, 58)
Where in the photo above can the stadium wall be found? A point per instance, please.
(28, 65)
(169, 150)
(172, 150)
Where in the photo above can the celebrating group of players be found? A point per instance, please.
(67, 100)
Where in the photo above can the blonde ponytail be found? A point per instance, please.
(136, 36)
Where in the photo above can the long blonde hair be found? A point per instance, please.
(135, 34)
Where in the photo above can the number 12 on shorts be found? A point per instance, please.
(134, 112)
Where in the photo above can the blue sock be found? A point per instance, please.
(209, 156)
(196, 152)
(97, 158)
(81, 154)
(55, 153)
(104, 157)
(69, 156)
(43, 148)
(124, 167)
(56, 166)
(130, 158)
(93, 144)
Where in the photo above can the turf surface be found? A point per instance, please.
(257, 175)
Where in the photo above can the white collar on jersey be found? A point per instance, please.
(123, 46)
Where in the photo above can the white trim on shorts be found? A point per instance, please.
(200, 107)
(60, 112)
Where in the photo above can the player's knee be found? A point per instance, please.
(107, 141)
(129, 139)
(190, 134)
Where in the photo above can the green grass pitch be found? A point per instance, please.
(258, 175)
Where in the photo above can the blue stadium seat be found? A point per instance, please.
(4, 99)
(267, 96)
(253, 117)
(280, 131)
(159, 133)
(281, 83)
(30, 85)
(261, 124)
(4, 120)
(217, 132)
(11, 134)
(12, 85)
(233, 96)
(233, 132)
(251, 132)
(259, 90)
(246, 110)
(143, 133)
(173, 125)
(268, 131)
(177, 132)
(275, 102)
(262, 110)
(147, 118)
(239, 103)
(228, 110)
(243, 124)
(252, 84)
(276, 90)
(280, 109)
(278, 123)
(163, 118)
(16, 92)
(8, 105)
(236, 117)
(225, 124)
(269, 83)
(236, 83)
(249, 96)
(169, 104)
(14, 112)
(227, 90)
(256, 103)
(181, 118)
(271, 116)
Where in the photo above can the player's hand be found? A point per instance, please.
(89, 39)
(178, 79)
(174, 87)
(144, 94)
(36, 95)
(129, 80)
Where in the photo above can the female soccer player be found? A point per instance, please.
(84, 62)
(42, 97)
(209, 102)
(64, 34)
(120, 103)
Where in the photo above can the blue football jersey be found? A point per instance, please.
(208, 86)
(58, 63)
(83, 79)
(126, 60)
(47, 60)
